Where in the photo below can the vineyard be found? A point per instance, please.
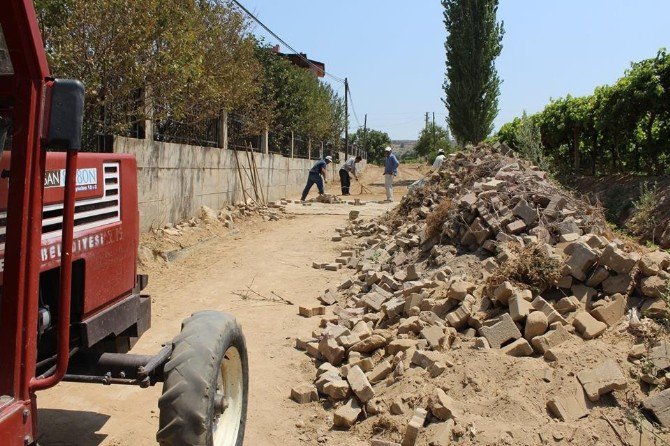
(620, 128)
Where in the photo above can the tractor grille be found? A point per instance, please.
(88, 214)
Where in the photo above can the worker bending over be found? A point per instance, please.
(347, 169)
(316, 176)
(439, 159)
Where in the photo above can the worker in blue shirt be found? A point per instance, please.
(316, 175)
(390, 170)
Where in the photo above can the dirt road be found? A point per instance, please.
(270, 258)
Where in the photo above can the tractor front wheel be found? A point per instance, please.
(205, 392)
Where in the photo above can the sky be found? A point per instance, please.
(392, 51)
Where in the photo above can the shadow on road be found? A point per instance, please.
(60, 427)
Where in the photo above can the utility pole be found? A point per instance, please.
(426, 127)
(346, 118)
(433, 130)
(365, 135)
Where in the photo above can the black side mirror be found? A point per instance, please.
(66, 115)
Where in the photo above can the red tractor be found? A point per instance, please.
(71, 302)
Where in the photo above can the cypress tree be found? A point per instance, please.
(472, 85)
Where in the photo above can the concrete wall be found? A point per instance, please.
(174, 180)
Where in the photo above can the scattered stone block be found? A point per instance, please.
(413, 300)
(360, 385)
(443, 434)
(565, 282)
(619, 284)
(353, 215)
(587, 326)
(536, 325)
(580, 260)
(525, 212)
(655, 308)
(312, 349)
(434, 335)
(598, 276)
(567, 304)
(380, 372)
(637, 351)
(552, 315)
(501, 332)
(329, 349)
(336, 238)
(346, 415)
(518, 348)
(459, 316)
(569, 237)
(603, 379)
(611, 312)
(659, 355)
(503, 292)
(372, 301)
(337, 390)
(425, 359)
(443, 407)
(311, 311)
(328, 298)
(516, 227)
(519, 308)
(460, 289)
(411, 274)
(551, 339)
(304, 393)
(659, 405)
(400, 345)
(436, 369)
(570, 406)
(617, 260)
(332, 266)
(369, 344)
(654, 286)
(414, 427)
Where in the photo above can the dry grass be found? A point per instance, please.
(530, 267)
(436, 219)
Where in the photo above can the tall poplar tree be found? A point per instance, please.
(472, 85)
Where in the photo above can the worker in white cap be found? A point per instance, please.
(439, 159)
(390, 170)
(316, 176)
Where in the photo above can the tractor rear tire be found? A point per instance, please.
(204, 401)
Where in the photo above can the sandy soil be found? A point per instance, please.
(270, 258)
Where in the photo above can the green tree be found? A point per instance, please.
(190, 58)
(291, 99)
(472, 85)
(431, 139)
(624, 127)
(372, 141)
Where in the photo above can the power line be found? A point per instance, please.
(353, 109)
(306, 60)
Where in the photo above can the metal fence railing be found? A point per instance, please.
(136, 117)
(204, 133)
(239, 138)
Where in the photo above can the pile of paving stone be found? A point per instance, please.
(516, 265)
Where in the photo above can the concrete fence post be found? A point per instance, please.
(149, 114)
(265, 141)
(309, 149)
(321, 152)
(292, 144)
(222, 137)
